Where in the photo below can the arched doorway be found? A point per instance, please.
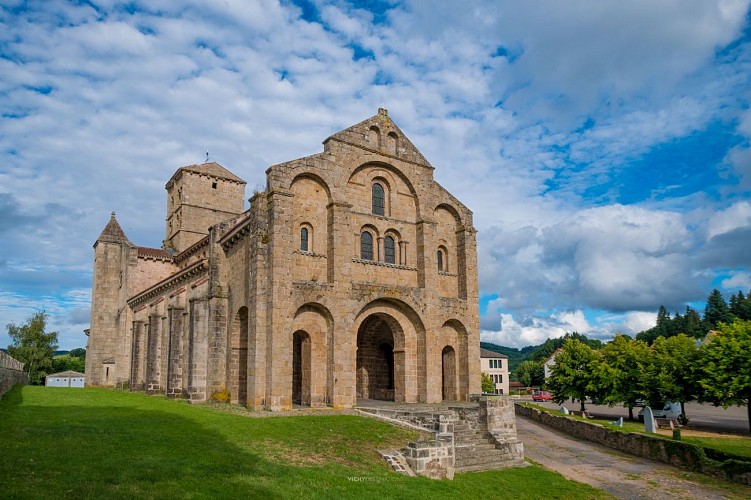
(301, 368)
(375, 359)
(448, 374)
(238, 363)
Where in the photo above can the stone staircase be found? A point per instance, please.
(475, 450)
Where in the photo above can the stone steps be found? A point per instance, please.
(491, 458)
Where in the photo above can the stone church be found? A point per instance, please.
(353, 275)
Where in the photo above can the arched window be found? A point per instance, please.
(378, 200)
(389, 249)
(366, 246)
(439, 256)
(304, 239)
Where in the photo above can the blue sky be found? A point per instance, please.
(604, 147)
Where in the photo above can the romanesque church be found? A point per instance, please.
(353, 275)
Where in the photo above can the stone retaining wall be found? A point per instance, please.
(11, 373)
(677, 453)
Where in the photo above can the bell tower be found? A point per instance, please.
(199, 196)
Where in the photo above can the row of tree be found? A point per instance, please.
(716, 311)
(35, 347)
(676, 368)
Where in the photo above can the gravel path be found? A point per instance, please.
(620, 474)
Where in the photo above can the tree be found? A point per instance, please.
(33, 346)
(726, 371)
(79, 352)
(716, 311)
(67, 362)
(530, 373)
(617, 373)
(671, 374)
(572, 372)
(488, 386)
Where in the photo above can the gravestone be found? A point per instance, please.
(649, 420)
(618, 422)
(564, 410)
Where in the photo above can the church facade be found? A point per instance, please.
(353, 275)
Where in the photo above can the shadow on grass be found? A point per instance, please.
(77, 451)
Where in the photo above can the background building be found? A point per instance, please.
(496, 365)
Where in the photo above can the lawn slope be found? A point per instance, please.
(95, 443)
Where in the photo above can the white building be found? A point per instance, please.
(65, 379)
(495, 364)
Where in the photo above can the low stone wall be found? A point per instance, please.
(11, 373)
(432, 458)
(677, 453)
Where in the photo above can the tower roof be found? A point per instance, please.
(359, 135)
(112, 232)
(211, 169)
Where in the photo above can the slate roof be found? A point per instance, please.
(486, 353)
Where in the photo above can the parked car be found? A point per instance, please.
(668, 410)
(542, 396)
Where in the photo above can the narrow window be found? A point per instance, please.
(390, 250)
(366, 246)
(439, 255)
(213, 185)
(378, 200)
(304, 239)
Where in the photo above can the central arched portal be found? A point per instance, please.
(375, 359)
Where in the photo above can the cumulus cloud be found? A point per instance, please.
(538, 116)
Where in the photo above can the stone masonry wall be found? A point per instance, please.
(11, 373)
(676, 453)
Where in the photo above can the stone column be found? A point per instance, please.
(137, 364)
(197, 356)
(153, 354)
(175, 352)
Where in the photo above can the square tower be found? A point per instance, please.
(199, 196)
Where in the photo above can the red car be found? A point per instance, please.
(542, 396)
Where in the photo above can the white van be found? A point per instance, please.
(669, 410)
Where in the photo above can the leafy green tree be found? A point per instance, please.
(716, 311)
(671, 374)
(79, 352)
(33, 346)
(617, 373)
(488, 386)
(67, 362)
(726, 371)
(572, 372)
(530, 373)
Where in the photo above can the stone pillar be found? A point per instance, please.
(137, 355)
(197, 357)
(175, 353)
(338, 260)
(153, 351)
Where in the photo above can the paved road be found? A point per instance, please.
(703, 417)
(622, 475)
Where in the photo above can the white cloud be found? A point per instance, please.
(101, 104)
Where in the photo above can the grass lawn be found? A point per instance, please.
(735, 444)
(95, 443)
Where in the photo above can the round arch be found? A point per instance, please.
(397, 325)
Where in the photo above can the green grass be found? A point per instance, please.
(96, 443)
(737, 445)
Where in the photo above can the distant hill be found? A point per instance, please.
(537, 353)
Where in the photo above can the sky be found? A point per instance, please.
(603, 146)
